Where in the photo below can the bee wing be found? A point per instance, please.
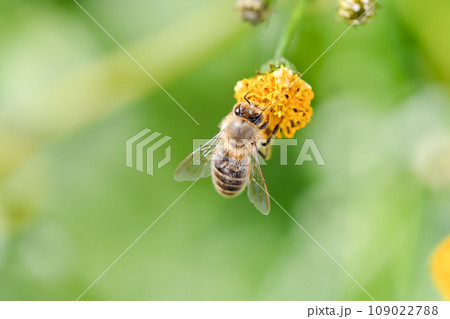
(257, 189)
(197, 164)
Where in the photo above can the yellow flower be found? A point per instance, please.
(440, 268)
(286, 96)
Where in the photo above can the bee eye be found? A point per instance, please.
(237, 111)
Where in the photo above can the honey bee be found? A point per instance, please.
(231, 157)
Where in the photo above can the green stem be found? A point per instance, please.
(289, 31)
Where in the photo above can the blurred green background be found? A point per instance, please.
(70, 98)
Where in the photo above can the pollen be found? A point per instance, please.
(285, 97)
(440, 268)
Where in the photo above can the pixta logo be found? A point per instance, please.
(141, 148)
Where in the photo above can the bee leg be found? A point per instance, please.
(263, 155)
(265, 152)
(264, 125)
(274, 132)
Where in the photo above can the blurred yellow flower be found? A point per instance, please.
(286, 96)
(440, 268)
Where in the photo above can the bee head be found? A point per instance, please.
(249, 111)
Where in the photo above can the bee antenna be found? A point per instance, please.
(245, 97)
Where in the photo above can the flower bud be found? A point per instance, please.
(357, 11)
(253, 11)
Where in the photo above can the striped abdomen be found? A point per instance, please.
(229, 174)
